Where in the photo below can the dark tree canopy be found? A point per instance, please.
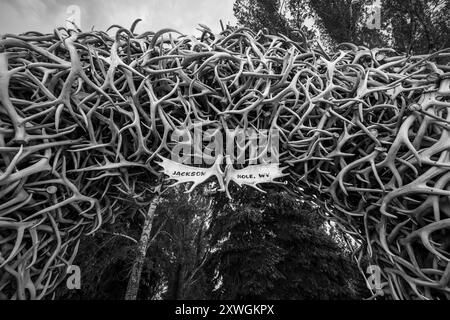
(260, 14)
(412, 26)
(272, 246)
(419, 25)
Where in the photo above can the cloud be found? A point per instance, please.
(18, 16)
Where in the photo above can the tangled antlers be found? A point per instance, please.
(84, 116)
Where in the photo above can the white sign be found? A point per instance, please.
(251, 175)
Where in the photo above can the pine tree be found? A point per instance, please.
(271, 246)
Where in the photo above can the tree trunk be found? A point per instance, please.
(135, 277)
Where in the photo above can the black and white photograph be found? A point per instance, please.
(220, 157)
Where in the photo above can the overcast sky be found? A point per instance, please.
(17, 16)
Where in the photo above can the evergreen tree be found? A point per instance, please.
(411, 26)
(272, 246)
(255, 246)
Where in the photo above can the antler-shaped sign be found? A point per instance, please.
(251, 175)
(184, 174)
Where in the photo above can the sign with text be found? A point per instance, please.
(254, 174)
(217, 150)
(251, 175)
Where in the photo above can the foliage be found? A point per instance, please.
(255, 246)
(419, 25)
(171, 270)
(412, 26)
(263, 14)
(272, 246)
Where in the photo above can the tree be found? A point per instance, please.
(260, 14)
(411, 26)
(144, 242)
(345, 21)
(253, 246)
(182, 245)
(418, 26)
(271, 246)
(170, 257)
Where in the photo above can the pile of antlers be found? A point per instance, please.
(83, 117)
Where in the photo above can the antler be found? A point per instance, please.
(84, 116)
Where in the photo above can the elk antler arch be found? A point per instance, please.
(83, 117)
